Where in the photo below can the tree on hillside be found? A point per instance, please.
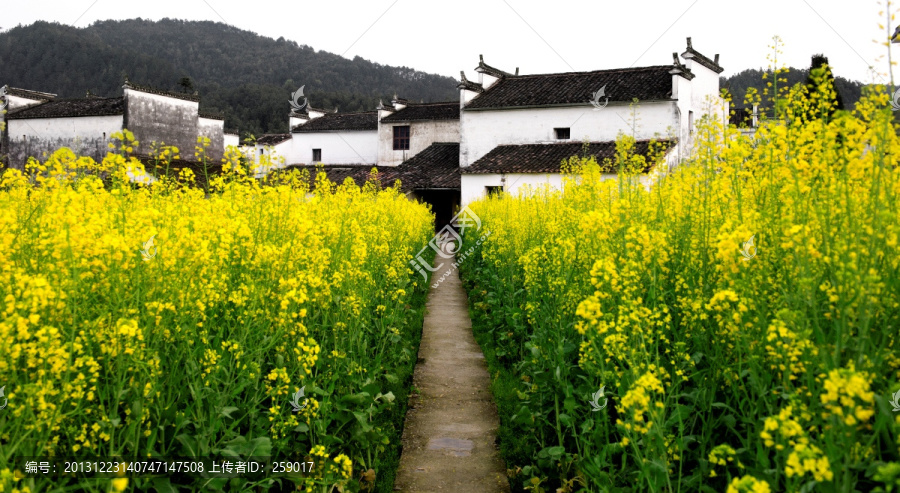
(824, 97)
(186, 84)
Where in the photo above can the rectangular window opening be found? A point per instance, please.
(317, 155)
(401, 137)
(562, 133)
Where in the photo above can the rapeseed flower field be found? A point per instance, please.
(725, 365)
(165, 320)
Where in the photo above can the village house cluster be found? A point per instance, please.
(507, 131)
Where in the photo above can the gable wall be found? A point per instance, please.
(162, 119)
(39, 137)
(343, 147)
(421, 135)
(215, 131)
(483, 130)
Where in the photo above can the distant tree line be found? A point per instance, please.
(849, 91)
(245, 76)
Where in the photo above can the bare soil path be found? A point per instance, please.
(449, 438)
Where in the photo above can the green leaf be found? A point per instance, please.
(226, 411)
(214, 484)
(679, 414)
(260, 447)
(554, 453)
(163, 485)
(189, 445)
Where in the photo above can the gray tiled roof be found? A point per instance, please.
(644, 83)
(25, 93)
(272, 139)
(61, 108)
(366, 120)
(545, 158)
(425, 111)
(435, 167)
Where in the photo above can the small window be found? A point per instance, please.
(317, 155)
(561, 133)
(493, 191)
(401, 137)
(690, 122)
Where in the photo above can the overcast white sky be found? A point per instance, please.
(539, 36)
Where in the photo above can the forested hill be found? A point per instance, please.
(246, 76)
(849, 90)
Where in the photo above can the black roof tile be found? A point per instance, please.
(61, 108)
(644, 83)
(25, 93)
(545, 158)
(698, 57)
(212, 115)
(272, 139)
(171, 94)
(435, 167)
(425, 111)
(366, 120)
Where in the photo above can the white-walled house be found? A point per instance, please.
(505, 118)
(406, 129)
(335, 138)
(514, 168)
(276, 147)
(38, 123)
(232, 139)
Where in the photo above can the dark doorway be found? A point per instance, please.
(443, 204)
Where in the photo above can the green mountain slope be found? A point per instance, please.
(246, 76)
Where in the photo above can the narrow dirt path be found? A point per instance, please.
(451, 427)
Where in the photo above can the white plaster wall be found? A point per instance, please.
(465, 96)
(87, 136)
(66, 128)
(486, 80)
(683, 90)
(162, 119)
(214, 130)
(483, 130)
(16, 102)
(232, 140)
(277, 157)
(346, 147)
(704, 88)
(472, 187)
(421, 135)
(293, 121)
